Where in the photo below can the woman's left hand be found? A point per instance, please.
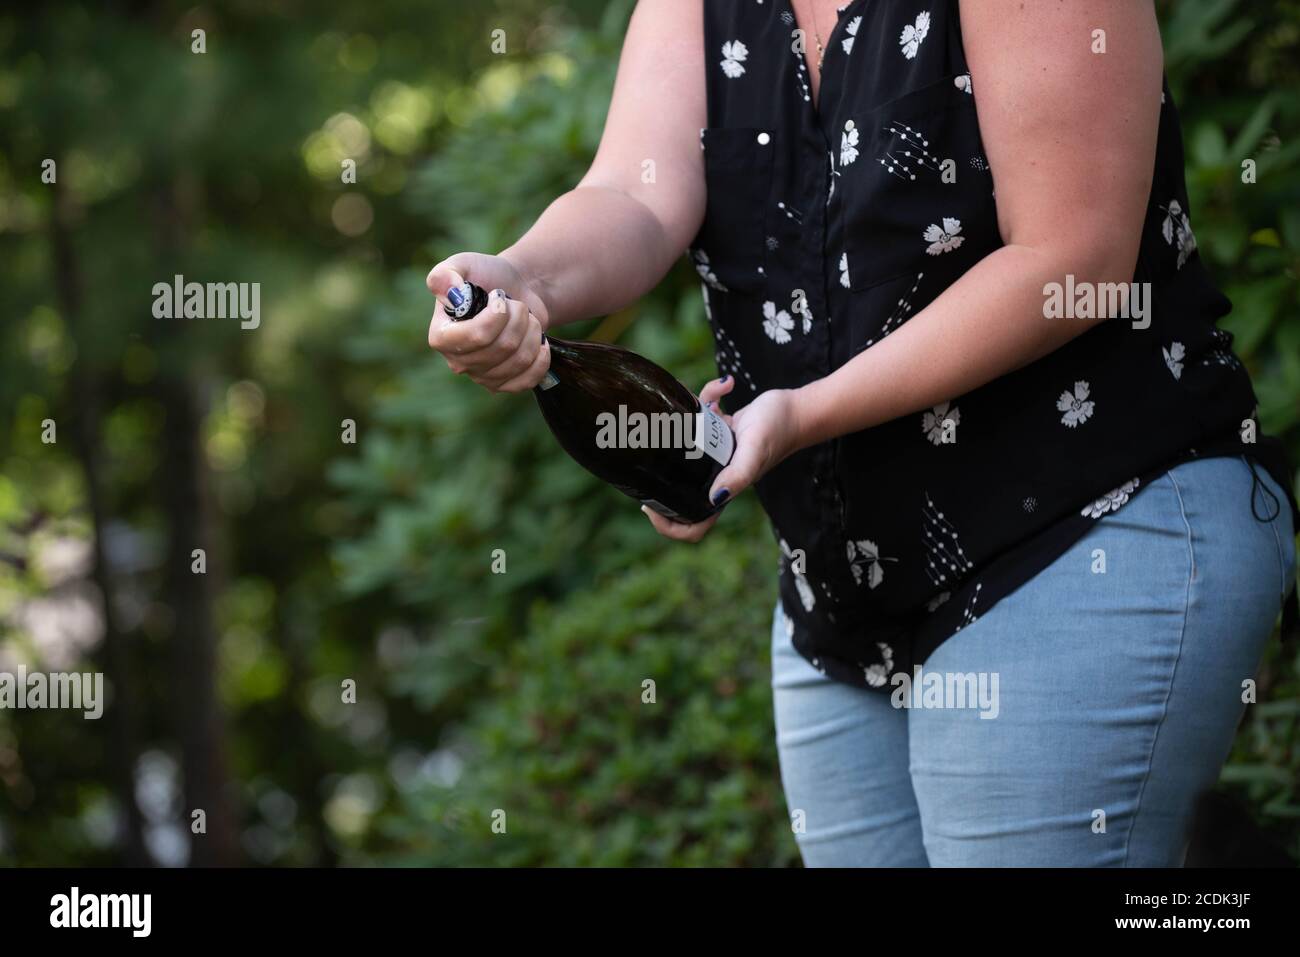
(766, 432)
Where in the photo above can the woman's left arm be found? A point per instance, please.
(1070, 137)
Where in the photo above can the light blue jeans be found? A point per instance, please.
(1118, 696)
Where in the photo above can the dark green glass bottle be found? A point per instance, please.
(626, 420)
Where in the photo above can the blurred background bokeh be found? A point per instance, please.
(331, 562)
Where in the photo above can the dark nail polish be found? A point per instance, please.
(723, 380)
(721, 495)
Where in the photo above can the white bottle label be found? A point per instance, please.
(713, 436)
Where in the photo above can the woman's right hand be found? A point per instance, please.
(503, 348)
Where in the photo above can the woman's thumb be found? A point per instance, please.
(736, 477)
(448, 273)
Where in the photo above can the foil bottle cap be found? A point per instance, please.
(461, 300)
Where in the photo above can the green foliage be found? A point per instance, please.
(222, 166)
(449, 473)
(630, 726)
(1249, 232)
(451, 476)
(374, 562)
(1235, 72)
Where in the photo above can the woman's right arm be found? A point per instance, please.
(614, 236)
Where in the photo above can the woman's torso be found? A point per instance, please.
(829, 225)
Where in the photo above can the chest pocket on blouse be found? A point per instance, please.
(916, 187)
(731, 247)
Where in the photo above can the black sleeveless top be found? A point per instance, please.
(827, 227)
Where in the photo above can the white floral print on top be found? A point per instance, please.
(777, 324)
(851, 28)
(968, 615)
(946, 560)
(706, 272)
(937, 600)
(1076, 405)
(734, 54)
(943, 239)
(865, 559)
(1177, 230)
(1221, 354)
(848, 144)
(801, 585)
(907, 155)
(804, 312)
(877, 674)
(805, 592)
(1111, 501)
(1174, 357)
(912, 35)
(1006, 510)
(935, 422)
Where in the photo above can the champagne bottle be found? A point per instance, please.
(626, 420)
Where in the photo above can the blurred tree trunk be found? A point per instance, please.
(114, 654)
(186, 503)
(200, 722)
(311, 768)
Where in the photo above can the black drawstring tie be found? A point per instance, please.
(1290, 605)
(1258, 484)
